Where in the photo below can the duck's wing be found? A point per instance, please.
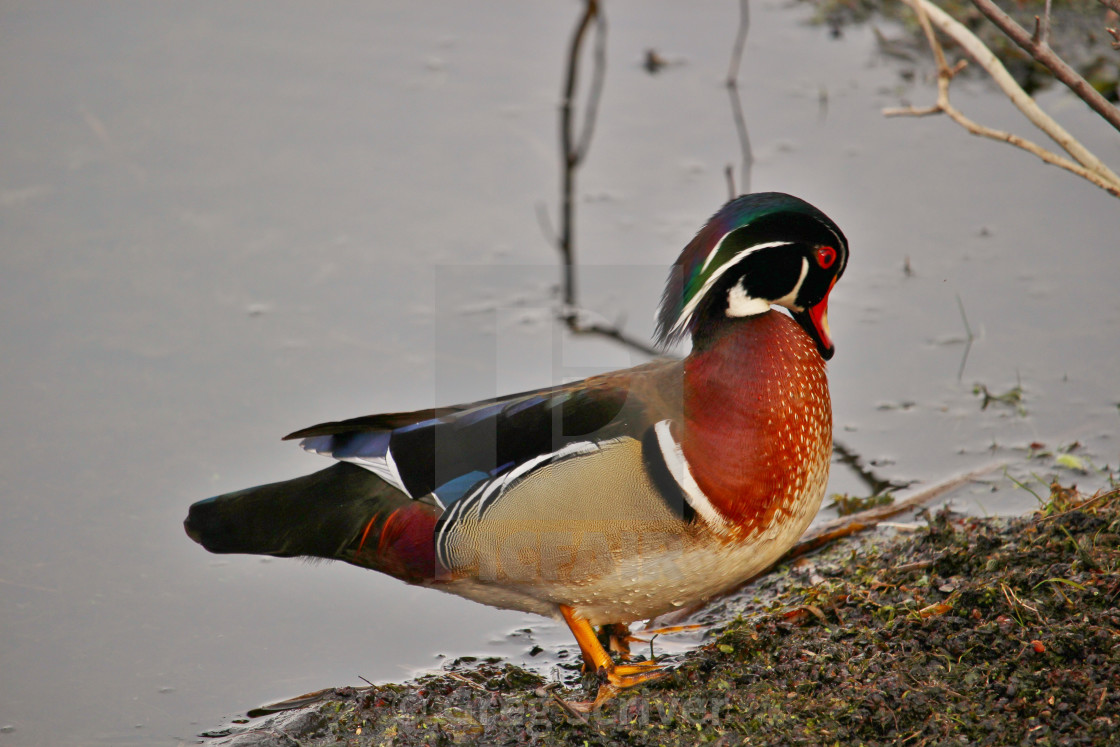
(443, 452)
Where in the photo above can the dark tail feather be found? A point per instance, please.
(342, 512)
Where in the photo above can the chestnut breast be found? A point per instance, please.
(757, 420)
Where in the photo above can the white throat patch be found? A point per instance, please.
(689, 309)
(739, 304)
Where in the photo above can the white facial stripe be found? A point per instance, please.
(789, 300)
(690, 307)
(739, 304)
(712, 254)
(715, 250)
(674, 458)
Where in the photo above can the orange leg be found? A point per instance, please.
(618, 639)
(598, 660)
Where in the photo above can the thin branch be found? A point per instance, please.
(612, 332)
(969, 338)
(573, 155)
(733, 93)
(847, 525)
(1041, 34)
(545, 224)
(987, 59)
(831, 531)
(570, 153)
(1089, 168)
(850, 459)
(598, 75)
(912, 111)
(1040, 50)
(1114, 6)
(740, 43)
(573, 150)
(983, 131)
(744, 137)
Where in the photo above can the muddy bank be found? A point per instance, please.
(960, 631)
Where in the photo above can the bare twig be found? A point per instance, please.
(579, 327)
(573, 150)
(847, 525)
(836, 529)
(987, 59)
(740, 43)
(744, 137)
(969, 338)
(571, 153)
(852, 461)
(1114, 6)
(465, 680)
(1042, 27)
(733, 93)
(1014, 602)
(598, 75)
(1088, 166)
(1040, 50)
(572, 709)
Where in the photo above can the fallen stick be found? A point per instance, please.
(831, 531)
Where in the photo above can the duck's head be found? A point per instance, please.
(759, 250)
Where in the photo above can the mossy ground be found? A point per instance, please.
(967, 631)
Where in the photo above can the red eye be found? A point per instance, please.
(826, 257)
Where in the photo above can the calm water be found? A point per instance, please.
(221, 222)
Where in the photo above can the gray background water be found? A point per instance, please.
(220, 222)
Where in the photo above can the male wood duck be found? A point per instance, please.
(608, 500)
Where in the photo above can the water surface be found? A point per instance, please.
(222, 222)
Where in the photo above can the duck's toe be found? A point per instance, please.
(629, 675)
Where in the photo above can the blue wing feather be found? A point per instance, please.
(450, 450)
(370, 444)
